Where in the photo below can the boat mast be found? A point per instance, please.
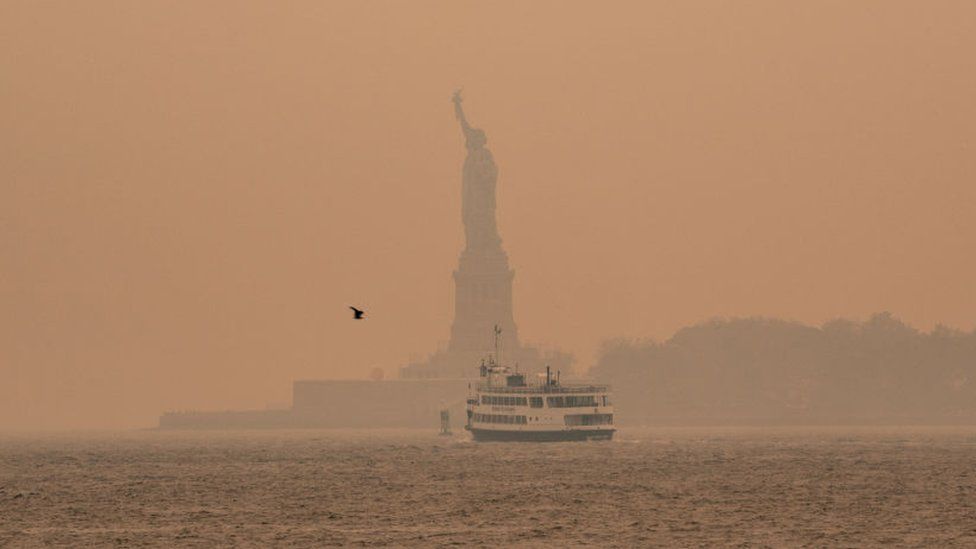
(498, 332)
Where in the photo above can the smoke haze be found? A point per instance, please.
(192, 194)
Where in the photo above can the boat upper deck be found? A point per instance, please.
(542, 389)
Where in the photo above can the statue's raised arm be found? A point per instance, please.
(459, 112)
(474, 137)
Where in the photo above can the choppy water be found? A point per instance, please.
(664, 487)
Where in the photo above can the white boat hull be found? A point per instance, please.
(564, 435)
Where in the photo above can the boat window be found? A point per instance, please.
(496, 400)
(535, 402)
(500, 418)
(571, 401)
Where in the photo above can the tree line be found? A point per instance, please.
(767, 370)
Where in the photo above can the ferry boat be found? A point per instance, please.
(502, 406)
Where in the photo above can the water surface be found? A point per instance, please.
(666, 487)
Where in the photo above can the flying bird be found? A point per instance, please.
(356, 313)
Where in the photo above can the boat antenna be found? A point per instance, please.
(498, 332)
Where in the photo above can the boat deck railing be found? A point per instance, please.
(549, 389)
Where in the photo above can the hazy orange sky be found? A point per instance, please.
(192, 193)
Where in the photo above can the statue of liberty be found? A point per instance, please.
(477, 187)
(484, 320)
